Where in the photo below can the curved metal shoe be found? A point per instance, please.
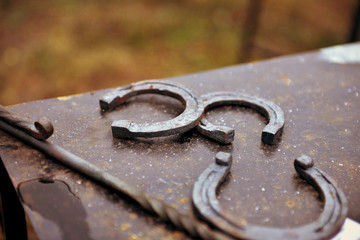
(187, 120)
(327, 225)
(224, 134)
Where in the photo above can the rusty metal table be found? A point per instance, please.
(318, 91)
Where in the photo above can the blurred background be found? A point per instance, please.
(55, 48)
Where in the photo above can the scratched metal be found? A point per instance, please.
(319, 98)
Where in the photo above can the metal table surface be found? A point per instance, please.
(318, 91)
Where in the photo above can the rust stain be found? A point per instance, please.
(290, 203)
(125, 226)
(66, 98)
(133, 216)
(134, 237)
(286, 80)
(183, 200)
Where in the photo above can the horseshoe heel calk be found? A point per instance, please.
(223, 159)
(121, 128)
(271, 133)
(222, 134)
(105, 102)
(112, 100)
(302, 163)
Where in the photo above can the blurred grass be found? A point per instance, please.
(53, 48)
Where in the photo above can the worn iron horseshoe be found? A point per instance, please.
(187, 120)
(327, 225)
(224, 134)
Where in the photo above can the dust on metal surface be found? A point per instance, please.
(319, 100)
(195, 227)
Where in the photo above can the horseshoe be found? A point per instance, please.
(327, 225)
(225, 135)
(187, 120)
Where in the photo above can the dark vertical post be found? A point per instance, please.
(4, 4)
(354, 31)
(13, 216)
(251, 25)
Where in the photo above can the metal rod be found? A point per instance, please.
(189, 222)
(41, 129)
(77, 163)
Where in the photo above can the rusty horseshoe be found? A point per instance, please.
(327, 225)
(225, 135)
(187, 120)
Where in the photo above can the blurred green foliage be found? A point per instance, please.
(53, 48)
